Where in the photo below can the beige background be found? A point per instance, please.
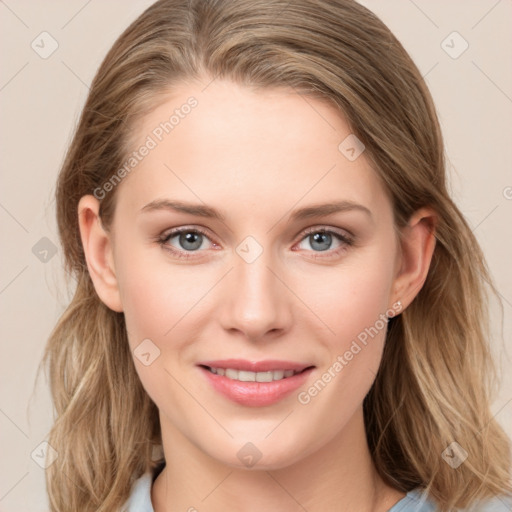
(40, 100)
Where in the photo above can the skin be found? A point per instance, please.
(256, 157)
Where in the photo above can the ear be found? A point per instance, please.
(417, 244)
(98, 251)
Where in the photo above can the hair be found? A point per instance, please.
(437, 377)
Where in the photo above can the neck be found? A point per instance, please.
(339, 476)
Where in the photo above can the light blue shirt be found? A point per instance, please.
(414, 501)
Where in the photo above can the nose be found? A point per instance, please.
(255, 302)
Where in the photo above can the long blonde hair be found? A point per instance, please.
(437, 378)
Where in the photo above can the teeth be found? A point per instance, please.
(246, 376)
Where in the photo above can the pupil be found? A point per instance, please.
(190, 238)
(320, 241)
(318, 238)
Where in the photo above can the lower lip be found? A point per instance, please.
(255, 394)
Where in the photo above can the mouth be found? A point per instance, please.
(250, 376)
(255, 384)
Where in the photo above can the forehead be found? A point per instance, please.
(227, 144)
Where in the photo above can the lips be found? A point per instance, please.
(247, 376)
(255, 384)
(256, 366)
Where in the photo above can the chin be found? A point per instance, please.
(254, 457)
(261, 465)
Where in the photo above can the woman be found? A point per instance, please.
(274, 287)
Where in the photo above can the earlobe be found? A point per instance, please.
(417, 248)
(98, 251)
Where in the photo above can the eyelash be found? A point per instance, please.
(346, 241)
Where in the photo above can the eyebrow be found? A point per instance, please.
(199, 210)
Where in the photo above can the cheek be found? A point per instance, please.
(154, 301)
(357, 294)
(152, 298)
(355, 311)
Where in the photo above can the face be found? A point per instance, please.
(243, 275)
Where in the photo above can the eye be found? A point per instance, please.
(322, 239)
(184, 241)
(187, 240)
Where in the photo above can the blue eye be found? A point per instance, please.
(321, 240)
(191, 240)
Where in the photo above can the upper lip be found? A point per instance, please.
(256, 366)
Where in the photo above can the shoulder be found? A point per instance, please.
(414, 501)
(140, 496)
(417, 501)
